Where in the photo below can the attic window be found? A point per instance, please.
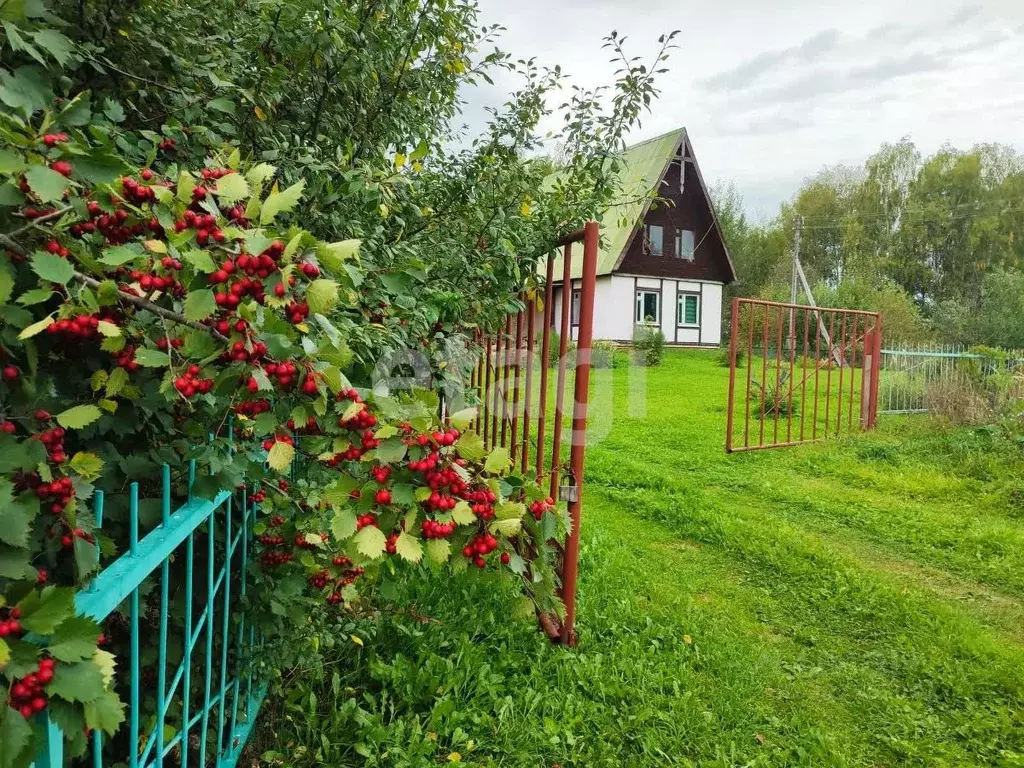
(684, 244)
(655, 244)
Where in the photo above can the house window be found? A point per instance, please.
(655, 240)
(688, 312)
(684, 244)
(576, 306)
(648, 307)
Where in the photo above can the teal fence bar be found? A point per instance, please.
(199, 704)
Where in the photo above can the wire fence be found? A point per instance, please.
(913, 376)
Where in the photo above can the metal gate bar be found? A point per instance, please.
(776, 398)
(507, 413)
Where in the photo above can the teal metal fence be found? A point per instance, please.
(195, 700)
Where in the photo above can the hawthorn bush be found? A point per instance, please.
(181, 310)
(166, 297)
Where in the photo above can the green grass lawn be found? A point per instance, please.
(852, 603)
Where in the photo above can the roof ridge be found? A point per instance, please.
(659, 137)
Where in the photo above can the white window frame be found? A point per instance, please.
(679, 245)
(682, 176)
(649, 244)
(574, 307)
(638, 317)
(681, 309)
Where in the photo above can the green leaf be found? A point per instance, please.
(50, 266)
(74, 640)
(7, 284)
(13, 562)
(497, 461)
(523, 609)
(5, 653)
(462, 419)
(116, 255)
(371, 541)
(334, 255)
(201, 260)
(34, 296)
(508, 510)
(77, 682)
(199, 305)
(232, 188)
(36, 328)
(87, 559)
(439, 550)
(15, 736)
(16, 521)
(281, 202)
(46, 183)
(462, 513)
(117, 381)
(322, 295)
(42, 612)
(391, 450)
(409, 547)
(152, 358)
(79, 416)
(280, 455)
(105, 713)
(55, 44)
(186, 186)
(28, 89)
(113, 110)
(107, 328)
(77, 111)
(516, 564)
(222, 105)
(470, 446)
(88, 465)
(506, 527)
(11, 163)
(343, 525)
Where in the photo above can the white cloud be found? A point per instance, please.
(771, 92)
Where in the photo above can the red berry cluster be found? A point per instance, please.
(276, 521)
(479, 547)
(319, 579)
(137, 193)
(269, 442)
(12, 624)
(540, 507)
(126, 359)
(285, 373)
(482, 502)
(297, 311)
(166, 144)
(252, 407)
(364, 520)
(59, 493)
(149, 282)
(237, 291)
(53, 439)
(381, 473)
(445, 438)
(53, 139)
(113, 226)
(309, 269)
(276, 558)
(80, 326)
(205, 224)
(9, 374)
(261, 266)
(271, 541)
(391, 546)
(164, 343)
(364, 419)
(191, 383)
(432, 529)
(425, 464)
(236, 214)
(27, 694)
(301, 543)
(57, 249)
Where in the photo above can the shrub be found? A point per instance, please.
(777, 402)
(602, 354)
(725, 358)
(553, 350)
(648, 345)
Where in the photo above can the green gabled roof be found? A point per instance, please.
(643, 166)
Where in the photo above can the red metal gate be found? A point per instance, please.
(504, 380)
(811, 373)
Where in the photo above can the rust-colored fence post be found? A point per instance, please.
(866, 377)
(570, 563)
(733, 332)
(876, 371)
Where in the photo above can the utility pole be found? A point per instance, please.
(793, 282)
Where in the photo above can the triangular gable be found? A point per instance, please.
(644, 168)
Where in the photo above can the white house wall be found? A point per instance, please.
(615, 308)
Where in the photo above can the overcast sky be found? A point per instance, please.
(772, 90)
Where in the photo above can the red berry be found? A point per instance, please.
(63, 167)
(9, 374)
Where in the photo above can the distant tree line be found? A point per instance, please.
(934, 242)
